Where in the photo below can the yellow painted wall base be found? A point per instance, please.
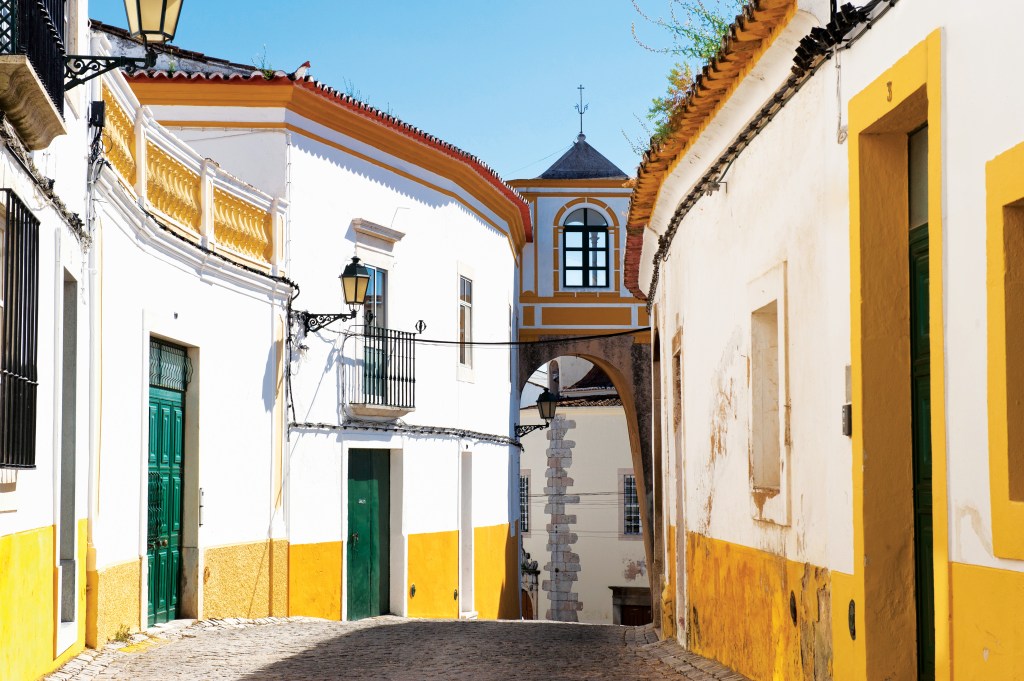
(495, 573)
(314, 579)
(434, 570)
(246, 580)
(740, 611)
(28, 603)
(113, 601)
(988, 628)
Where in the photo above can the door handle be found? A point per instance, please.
(354, 537)
(163, 542)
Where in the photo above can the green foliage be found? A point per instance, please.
(263, 65)
(123, 634)
(696, 29)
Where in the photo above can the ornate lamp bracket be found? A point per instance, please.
(81, 68)
(312, 321)
(523, 430)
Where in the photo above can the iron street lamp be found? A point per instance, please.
(546, 404)
(355, 281)
(153, 22)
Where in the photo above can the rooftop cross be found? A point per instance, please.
(581, 107)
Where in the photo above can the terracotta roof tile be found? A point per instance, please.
(748, 37)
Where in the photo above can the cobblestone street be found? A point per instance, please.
(301, 649)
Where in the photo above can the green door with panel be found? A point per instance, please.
(369, 508)
(920, 372)
(163, 553)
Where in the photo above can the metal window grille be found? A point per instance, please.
(20, 335)
(389, 368)
(524, 503)
(465, 321)
(169, 366)
(35, 29)
(630, 506)
(585, 250)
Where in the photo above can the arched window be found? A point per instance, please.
(585, 249)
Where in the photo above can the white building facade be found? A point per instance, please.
(827, 248)
(399, 472)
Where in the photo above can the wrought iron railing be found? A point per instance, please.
(387, 375)
(35, 29)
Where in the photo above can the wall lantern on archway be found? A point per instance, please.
(153, 22)
(355, 281)
(546, 404)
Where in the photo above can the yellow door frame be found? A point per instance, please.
(881, 590)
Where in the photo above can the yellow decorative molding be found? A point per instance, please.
(242, 227)
(119, 139)
(172, 188)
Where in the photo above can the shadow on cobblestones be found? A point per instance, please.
(467, 650)
(393, 648)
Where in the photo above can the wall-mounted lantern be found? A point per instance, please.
(546, 405)
(355, 281)
(153, 22)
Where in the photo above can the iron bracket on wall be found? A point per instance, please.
(523, 430)
(312, 321)
(81, 68)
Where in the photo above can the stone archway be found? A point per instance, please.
(626, 360)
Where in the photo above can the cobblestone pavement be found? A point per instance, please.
(303, 649)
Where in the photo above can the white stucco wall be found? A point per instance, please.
(763, 217)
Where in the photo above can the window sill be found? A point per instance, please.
(380, 410)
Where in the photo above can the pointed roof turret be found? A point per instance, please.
(583, 162)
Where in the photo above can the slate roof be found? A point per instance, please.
(583, 162)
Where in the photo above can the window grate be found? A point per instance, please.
(524, 503)
(19, 338)
(169, 366)
(389, 368)
(630, 506)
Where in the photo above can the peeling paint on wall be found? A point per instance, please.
(766, 617)
(635, 569)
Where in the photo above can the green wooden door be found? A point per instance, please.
(920, 363)
(368, 565)
(163, 553)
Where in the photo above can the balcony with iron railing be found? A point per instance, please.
(32, 69)
(381, 381)
(189, 194)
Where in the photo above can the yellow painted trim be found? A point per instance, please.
(507, 230)
(1004, 183)
(989, 630)
(881, 109)
(29, 607)
(321, 109)
(113, 598)
(561, 297)
(582, 202)
(315, 579)
(495, 573)
(594, 316)
(558, 331)
(434, 570)
(528, 315)
(739, 602)
(246, 580)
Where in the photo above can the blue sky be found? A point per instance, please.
(497, 79)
